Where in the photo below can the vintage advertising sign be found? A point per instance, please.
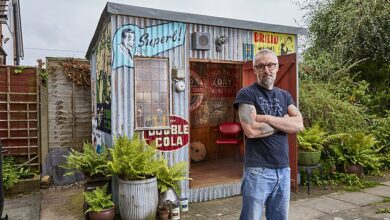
(170, 139)
(281, 44)
(222, 82)
(131, 40)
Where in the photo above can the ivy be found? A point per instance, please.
(77, 71)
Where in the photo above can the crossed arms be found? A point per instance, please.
(257, 126)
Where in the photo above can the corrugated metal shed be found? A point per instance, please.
(120, 95)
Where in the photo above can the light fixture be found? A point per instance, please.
(220, 41)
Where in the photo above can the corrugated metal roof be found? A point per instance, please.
(129, 10)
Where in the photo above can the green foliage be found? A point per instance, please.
(98, 200)
(133, 159)
(88, 161)
(19, 69)
(170, 177)
(311, 139)
(43, 74)
(352, 182)
(383, 210)
(357, 148)
(320, 105)
(10, 173)
(356, 29)
(25, 173)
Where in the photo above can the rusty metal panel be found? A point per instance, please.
(19, 118)
(69, 108)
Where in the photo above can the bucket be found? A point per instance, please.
(184, 204)
(138, 199)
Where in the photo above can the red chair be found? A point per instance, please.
(229, 134)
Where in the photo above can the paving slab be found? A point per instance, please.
(361, 213)
(62, 204)
(299, 212)
(383, 191)
(386, 183)
(357, 198)
(22, 207)
(326, 204)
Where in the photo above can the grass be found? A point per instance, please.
(384, 210)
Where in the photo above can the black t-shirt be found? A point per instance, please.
(270, 151)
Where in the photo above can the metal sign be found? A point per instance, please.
(170, 139)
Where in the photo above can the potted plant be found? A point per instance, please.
(100, 204)
(356, 151)
(136, 165)
(164, 209)
(92, 164)
(88, 161)
(170, 177)
(310, 144)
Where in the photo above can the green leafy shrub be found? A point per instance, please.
(170, 177)
(133, 159)
(357, 148)
(311, 139)
(25, 173)
(98, 199)
(89, 162)
(10, 173)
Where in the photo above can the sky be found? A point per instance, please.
(64, 28)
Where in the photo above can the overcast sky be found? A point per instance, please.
(64, 28)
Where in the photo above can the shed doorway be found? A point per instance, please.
(213, 87)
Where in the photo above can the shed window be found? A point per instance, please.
(151, 93)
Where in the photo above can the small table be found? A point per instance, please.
(308, 170)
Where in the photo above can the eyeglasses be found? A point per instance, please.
(270, 66)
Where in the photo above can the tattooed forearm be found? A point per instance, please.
(266, 129)
(252, 127)
(245, 113)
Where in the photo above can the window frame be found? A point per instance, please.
(169, 100)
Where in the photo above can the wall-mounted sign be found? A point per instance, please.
(279, 43)
(131, 40)
(170, 139)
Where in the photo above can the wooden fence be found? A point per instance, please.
(19, 118)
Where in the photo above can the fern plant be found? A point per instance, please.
(312, 139)
(357, 148)
(170, 177)
(89, 162)
(98, 199)
(133, 159)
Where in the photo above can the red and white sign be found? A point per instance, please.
(170, 139)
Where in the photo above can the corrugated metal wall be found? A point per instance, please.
(122, 106)
(69, 108)
(231, 51)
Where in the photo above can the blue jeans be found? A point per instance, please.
(264, 186)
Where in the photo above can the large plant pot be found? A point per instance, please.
(107, 214)
(138, 199)
(354, 169)
(309, 158)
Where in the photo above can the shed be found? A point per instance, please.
(173, 77)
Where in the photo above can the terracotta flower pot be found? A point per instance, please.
(107, 214)
(163, 214)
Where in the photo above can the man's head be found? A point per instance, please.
(266, 66)
(128, 38)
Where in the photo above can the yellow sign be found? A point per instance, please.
(279, 43)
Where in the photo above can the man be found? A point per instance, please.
(267, 114)
(128, 42)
